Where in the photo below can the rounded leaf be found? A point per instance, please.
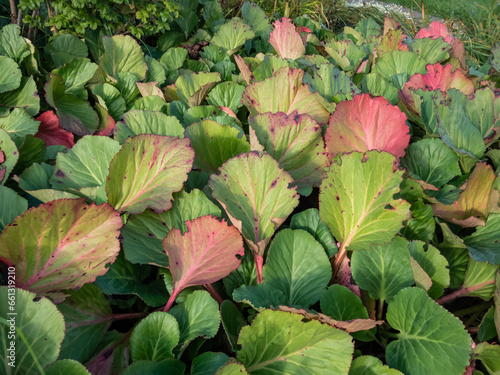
(254, 192)
(11, 74)
(123, 54)
(431, 339)
(279, 342)
(41, 324)
(367, 123)
(146, 171)
(356, 200)
(66, 243)
(154, 337)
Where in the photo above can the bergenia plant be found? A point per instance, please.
(253, 195)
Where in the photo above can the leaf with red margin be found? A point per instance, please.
(295, 141)
(438, 29)
(262, 97)
(206, 253)
(2, 170)
(51, 133)
(367, 123)
(437, 77)
(62, 244)
(475, 203)
(146, 171)
(286, 41)
(254, 192)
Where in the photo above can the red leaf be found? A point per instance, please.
(108, 127)
(2, 170)
(286, 41)
(51, 133)
(367, 123)
(204, 254)
(437, 30)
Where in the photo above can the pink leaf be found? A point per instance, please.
(2, 170)
(244, 69)
(438, 77)
(51, 133)
(286, 41)
(204, 254)
(367, 123)
(108, 126)
(62, 244)
(438, 29)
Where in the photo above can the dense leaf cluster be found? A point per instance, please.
(332, 200)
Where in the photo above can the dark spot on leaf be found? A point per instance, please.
(60, 173)
(107, 353)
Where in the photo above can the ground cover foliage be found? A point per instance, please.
(250, 196)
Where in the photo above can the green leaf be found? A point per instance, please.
(208, 363)
(434, 264)
(128, 87)
(483, 243)
(489, 355)
(383, 270)
(448, 118)
(232, 35)
(147, 122)
(487, 329)
(12, 206)
(167, 366)
(66, 366)
(41, 325)
(310, 221)
(57, 254)
(331, 83)
(232, 321)
(155, 72)
(279, 342)
(254, 192)
(18, 124)
(9, 156)
(75, 75)
(432, 161)
(340, 303)
(432, 51)
(146, 171)
(257, 19)
(296, 142)
(12, 44)
(421, 225)
(111, 99)
(197, 316)
(173, 59)
(124, 278)
(75, 115)
(356, 200)
(296, 266)
(86, 164)
(480, 279)
(154, 337)
(84, 312)
(376, 85)
(483, 111)
(431, 339)
(270, 65)
(368, 365)
(232, 369)
(346, 54)
(259, 97)
(226, 94)
(11, 74)
(142, 235)
(397, 67)
(123, 54)
(214, 144)
(193, 87)
(25, 96)
(64, 48)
